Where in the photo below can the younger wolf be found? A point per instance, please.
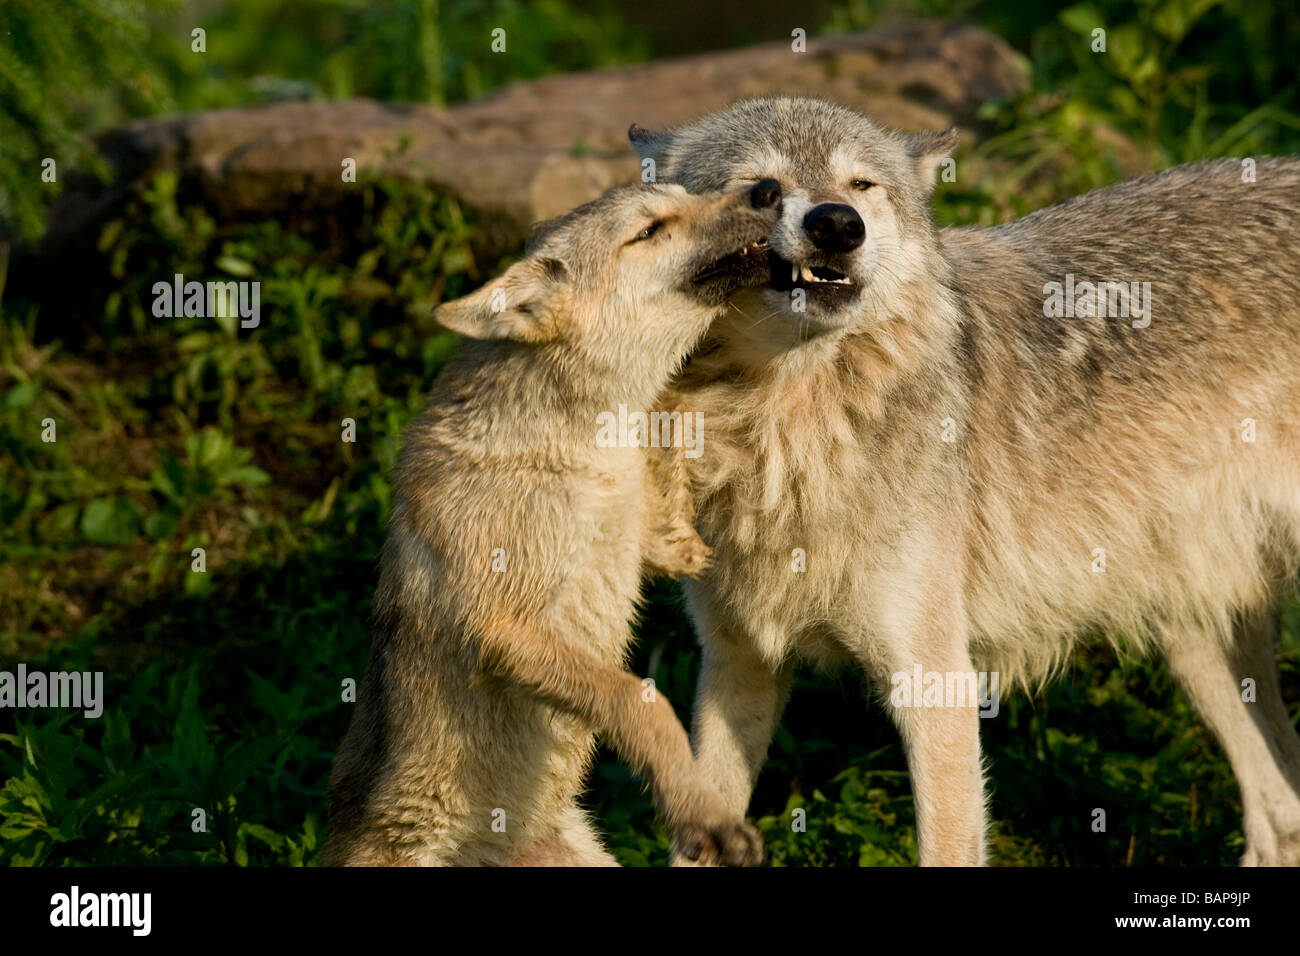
(933, 451)
(516, 547)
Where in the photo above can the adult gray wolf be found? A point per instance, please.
(516, 548)
(964, 450)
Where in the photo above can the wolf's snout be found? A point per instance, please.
(765, 194)
(834, 227)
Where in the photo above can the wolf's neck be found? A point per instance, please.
(811, 406)
(916, 329)
(566, 391)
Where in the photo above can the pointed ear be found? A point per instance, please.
(523, 304)
(928, 150)
(648, 145)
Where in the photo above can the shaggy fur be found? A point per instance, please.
(977, 485)
(516, 549)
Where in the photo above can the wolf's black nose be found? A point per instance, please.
(834, 227)
(765, 194)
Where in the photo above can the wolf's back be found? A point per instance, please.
(1211, 260)
(1169, 438)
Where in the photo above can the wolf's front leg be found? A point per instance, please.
(914, 647)
(638, 722)
(933, 696)
(738, 703)
(943, 757)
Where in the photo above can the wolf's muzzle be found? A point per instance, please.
(834, 227)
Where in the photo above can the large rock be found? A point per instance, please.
(535, 149)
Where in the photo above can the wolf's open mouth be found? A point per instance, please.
(735, 264)
(787, 275)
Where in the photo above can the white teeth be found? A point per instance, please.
(806, 274)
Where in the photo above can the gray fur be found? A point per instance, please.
(1069, 435)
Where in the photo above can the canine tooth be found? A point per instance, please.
(794, 272)
(806, 272)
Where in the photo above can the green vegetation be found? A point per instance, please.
(224, 688)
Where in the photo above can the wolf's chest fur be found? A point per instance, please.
(810, 500)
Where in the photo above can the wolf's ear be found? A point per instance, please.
(928, 150)
(522, 303)
(648, 145)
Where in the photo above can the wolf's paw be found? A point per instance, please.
(1283, 851)
(691, 556)
(679, 552)
(723, 844)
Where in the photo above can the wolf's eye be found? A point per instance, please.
(862, 185)
(648, 231)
